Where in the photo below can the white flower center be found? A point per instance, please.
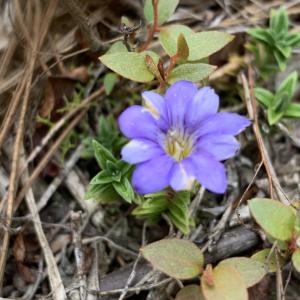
(178, 144)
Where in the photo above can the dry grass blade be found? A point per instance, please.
(55, 280)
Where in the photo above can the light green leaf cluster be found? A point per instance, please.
(112, 182)
(279, 105)
(173, 204)
(277, 40)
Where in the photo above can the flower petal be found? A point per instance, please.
(153, 175)
(182, 175)
(209, 172)
(223, 123)
(204, 104)
(220, 146)
(140, 150)
(156, 105)
(178, 97)
(136, 122)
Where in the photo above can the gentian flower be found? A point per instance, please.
(179, 138)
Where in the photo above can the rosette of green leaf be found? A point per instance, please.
(223, 282)
(200, 44)
(112, 182)
(165, 9)
(107, 134)
(277, 39)
(190, 292)
(252, 271)
(268, 258)
(177, 258)
(174, 205)
(130, 65)
(279, 104)
(275, 218)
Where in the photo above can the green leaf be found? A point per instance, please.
(281, 102)
(178, 211)
(124, 189)
(284, 51)
(280, 59)
(177, 258)
(269, 260)
(192, 72)
(190, 292)
(182, 47)
(288, 85)
(262, 35)
(293, 110)
(166, 8)
(293, 39)
(168, 37)
(102, 154)
(117, 47)
(264, 96)
(109, 81)
(130, 65)
(227, 284)
(274, 218)
(279, 21)
(274, 116)
(203, 44)
(104, 193)
(252, 271)
(103, 177)
(151, 207)
(296, 260)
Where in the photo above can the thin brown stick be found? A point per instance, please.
(55, 280)
(47, 158)
(154, 27)
(15, 162)
(252, 110)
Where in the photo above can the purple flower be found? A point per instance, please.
(179, 138)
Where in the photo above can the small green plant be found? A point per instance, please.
(273, 46)
(279, 104)
(112, 182)
(228, 280)
(174, 205)
(281, 225)
(184, 48)
(182, 58)
(107, 134)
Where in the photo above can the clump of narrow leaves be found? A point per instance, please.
(174, 205)
(107, 134)
(279, 104)
(274, 45)
(112, 182)
(181, 259)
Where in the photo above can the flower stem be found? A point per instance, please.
(173, 60)
(154, 28)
